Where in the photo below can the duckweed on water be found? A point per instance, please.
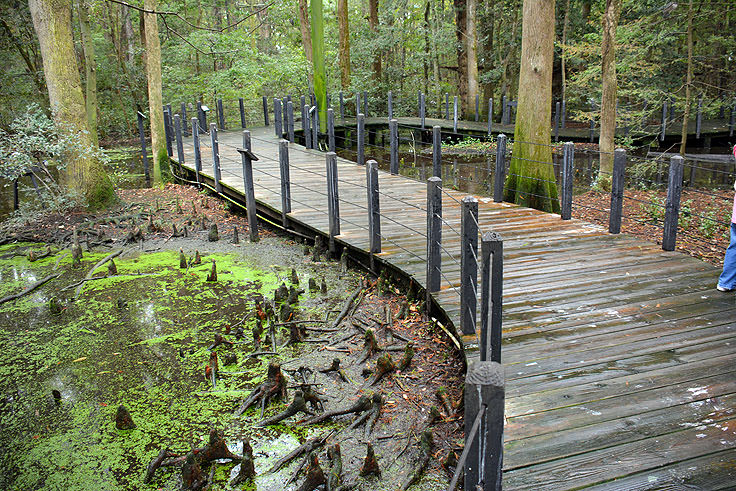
(139, 339)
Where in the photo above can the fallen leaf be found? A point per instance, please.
(79, 359)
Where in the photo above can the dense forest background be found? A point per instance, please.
(229, 49)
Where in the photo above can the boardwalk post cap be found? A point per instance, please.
(470, 199)
(204, 108)
(435, 179)
(142, 115)
(247, 153)
(492, 237)
(485, 373)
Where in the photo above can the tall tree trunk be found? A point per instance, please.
(471, 48)
(318, 61)
(461, 24)
(427, 51)
(127, 37)
(90, 70)
(487, 25)
(373, 22)
(343, 42)
(161, 170)
(608, 96)
(509, 55)
(531, 180)
(689, 77)
(83, 173)
(305, 29)
(563, 58)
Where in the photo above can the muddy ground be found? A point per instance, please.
(141, 337)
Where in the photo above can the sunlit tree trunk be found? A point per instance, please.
(688, 77)
(471, 43)
(343, 42)
(90, 69)
(161, 170)
(608, 96)
(531, 179)
(305, 29)
(373, 21)
(318, 61)
(83, 173)
(462, 57)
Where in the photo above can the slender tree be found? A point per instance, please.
(531, 180)
(84, 172)
(318, 60)
(608, 96)
(688, 77)
(462, 58)
(373, 22)
(161, 170)
(471, 49)
(343, 42)
(304, 28)
(90, 69)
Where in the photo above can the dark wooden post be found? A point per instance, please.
(306, 127)
(504, 110)
(365, 103)
(557, 121)
(144, 152)
(672, 208)
(285, 181)
(454, 116)
(422, 108)
(500, 176)
(220, 114)
(447, 105)
(393, 126)
(699, 117)
(361, 139)
(732, 118)
(342, 106)
(277, 120)
(491, 292)
(563, 117)
(290, 120)
(617, 191)
(469, 265)
(179, 141)
(484, 409)
(437, 151)
(357, 103)
(215, 157)
(331, 129)
(197, 150)
(490, 116)
(333, 200)
(167, 131)
(314, 121)
(241, 104)
(374, 208)
(184, 122)
(434, 235)
(592, 131)
(568, 154)
(672, 108)
(247, 157)
(477, 107)
(265, 110)
(390, 106)
(663, 124)
(201, 122)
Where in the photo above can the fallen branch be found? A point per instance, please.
(91, 271)
(29, 289)
(362, 404)
(306, 447)
(425, 451)
(348, 304)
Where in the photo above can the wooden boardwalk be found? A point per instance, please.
(620, 358)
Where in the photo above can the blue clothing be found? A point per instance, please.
(728, 277)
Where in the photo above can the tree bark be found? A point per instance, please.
(531, 180)
(688, 77)
(83, 173)
(471, 49)
(343, 42)
(373, 22)
(305, 29)
(90, 69)
(161, 170)
(462, 58)
(563, 57)
(318, 61)
(608, 96)
(487, 28)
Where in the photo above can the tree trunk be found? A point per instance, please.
(373, 22)
(343, 42)
(318, 61)
(90, 69)
(608, 97)
(305, 29)
(83, 173)
(531, 180)
(462, 58)
(563, 57)
(509, 55)
(427, 51)
(487, 25)
(471, 49)
(689, 77)
(161, 168)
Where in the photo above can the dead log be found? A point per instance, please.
(298, 405)
(362, 404)
(370, 464)
(247, 468)
(425, 452)
(29, 289)
(335, 456)
(307, 447)
(315, 475)
(123, 419)
(274, 387)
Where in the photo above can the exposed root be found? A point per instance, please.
(370, 464)
(273, 388)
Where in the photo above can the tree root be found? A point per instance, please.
(346, 308)
(247, 468)
(370, 464)
(123, 420)
(335, 456)
(362, 404)
(298, 404)
(306, 447)
(384, 366)
(335, 367)
(315, 475)
(91, 271)
(446, 404)
(273, 388)
(371, 346)
(156, 463)
(425, 452)
(406, 359)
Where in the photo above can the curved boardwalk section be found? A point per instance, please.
(620, 358)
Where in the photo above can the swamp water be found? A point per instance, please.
(141, 339)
